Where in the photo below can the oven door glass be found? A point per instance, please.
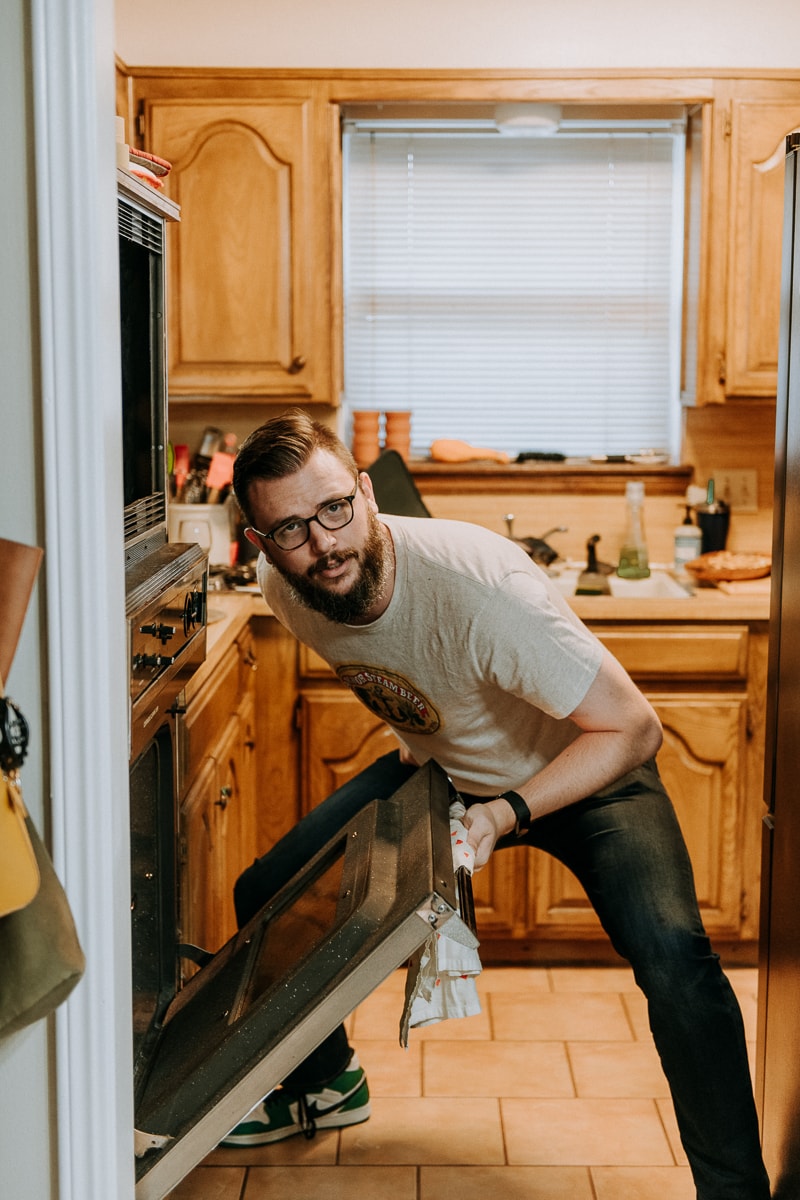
(355, 913)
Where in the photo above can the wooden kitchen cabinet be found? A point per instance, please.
(707, 685)
(250, 268)
(744, 219)
(217, 814)
(759, 126)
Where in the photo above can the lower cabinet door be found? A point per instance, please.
(702, 765)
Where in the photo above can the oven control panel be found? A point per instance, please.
(161, 635)
(167, 615)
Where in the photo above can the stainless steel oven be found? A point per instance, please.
(166, 616)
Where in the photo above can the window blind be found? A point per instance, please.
(518, 293)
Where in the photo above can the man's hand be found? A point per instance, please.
(485, 823)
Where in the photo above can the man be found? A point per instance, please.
(461, 643)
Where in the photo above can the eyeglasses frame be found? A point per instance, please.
(270, 536)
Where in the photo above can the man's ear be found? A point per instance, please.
(258, 542)
(365, 483)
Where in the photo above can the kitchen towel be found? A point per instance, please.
(442, 976)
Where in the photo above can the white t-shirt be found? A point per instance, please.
(476, 662)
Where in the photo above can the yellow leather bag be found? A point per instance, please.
(19, 872)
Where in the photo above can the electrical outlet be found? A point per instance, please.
(738, 488)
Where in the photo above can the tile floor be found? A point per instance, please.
(553, 1092)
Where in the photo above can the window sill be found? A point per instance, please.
(575, 476)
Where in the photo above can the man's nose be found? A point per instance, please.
(321, 539)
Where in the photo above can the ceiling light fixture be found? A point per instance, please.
(527, 120)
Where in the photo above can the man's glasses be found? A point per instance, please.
(293, 534)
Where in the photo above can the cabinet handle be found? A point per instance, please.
(297, 364)
(249, 660)
(225, 794)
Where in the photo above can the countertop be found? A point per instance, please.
(230, 612)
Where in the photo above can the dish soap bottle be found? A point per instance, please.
(633, 558)
(688, 541)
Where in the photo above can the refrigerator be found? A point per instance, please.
(778, 1036)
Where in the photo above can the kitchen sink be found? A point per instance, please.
(659, 585)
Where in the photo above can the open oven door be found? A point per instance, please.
(359, 909)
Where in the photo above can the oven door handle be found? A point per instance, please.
(195, 954)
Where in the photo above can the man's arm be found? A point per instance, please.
(619, 731)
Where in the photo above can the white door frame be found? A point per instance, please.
(81, 430)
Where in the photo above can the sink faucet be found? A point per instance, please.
(537, 547)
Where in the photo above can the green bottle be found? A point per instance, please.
(633, 558)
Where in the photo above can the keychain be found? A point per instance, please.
(13, 736)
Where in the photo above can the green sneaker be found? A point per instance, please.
(282, 1114)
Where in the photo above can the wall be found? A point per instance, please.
(456, 33)
(25, 1090)
(507, 34)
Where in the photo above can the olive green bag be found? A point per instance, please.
(41, 959)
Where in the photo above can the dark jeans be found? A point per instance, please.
(625, 846)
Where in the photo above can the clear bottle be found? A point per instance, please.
(633, 557)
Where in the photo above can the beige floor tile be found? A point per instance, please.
(295, 1151)
(744, 980)
(636, 1008)
(378, 1018)
(591, 979)
(748, 1003)
(509, 1183)
(509, 980)
(391, 1070)
(426, 1132)
(559, 1017)
(643, 1183)
(611, 1069)
(585, 1133)
(210, 1183)
(496, 1069)
(669, 1120)
(331, 1183)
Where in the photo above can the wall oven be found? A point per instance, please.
(205, 1051)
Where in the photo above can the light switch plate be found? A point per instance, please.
(738, 488)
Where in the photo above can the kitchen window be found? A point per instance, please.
(521, 293)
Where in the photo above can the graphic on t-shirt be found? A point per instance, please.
(391, 697)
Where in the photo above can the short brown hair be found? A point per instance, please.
(282, 446)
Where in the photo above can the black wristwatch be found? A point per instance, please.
(521, 810)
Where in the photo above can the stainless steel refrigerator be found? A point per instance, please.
(778, 1047)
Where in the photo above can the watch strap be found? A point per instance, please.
(521, 811)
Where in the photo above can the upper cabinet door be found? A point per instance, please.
(758, 130)
(249, 269)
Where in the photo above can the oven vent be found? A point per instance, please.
(144, 515)
(138, 226)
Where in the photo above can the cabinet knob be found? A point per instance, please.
(297, 364)
(225, 794)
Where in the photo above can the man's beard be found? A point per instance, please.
(350, 607)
